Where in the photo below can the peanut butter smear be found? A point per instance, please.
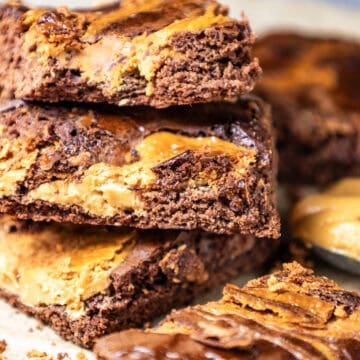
(105, 189)
(331, 219)
(59, 265)
(87, 42)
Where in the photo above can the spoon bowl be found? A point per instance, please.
(338, 259)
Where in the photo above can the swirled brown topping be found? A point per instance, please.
(331, 219)
(308, 316)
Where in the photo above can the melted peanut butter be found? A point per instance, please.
(109, 58)
(59, 266)
(331, 219)
(105, 189)
(16, 158)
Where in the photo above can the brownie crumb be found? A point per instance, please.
(62, 356)
(81, 356)
(38, 355)
(39, 325)
(3, 345)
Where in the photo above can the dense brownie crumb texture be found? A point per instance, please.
(290, 314)
(158, 52)
(313, 85)
(209, 166)
(87, 281)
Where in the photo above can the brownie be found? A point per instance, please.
(87, 281)
(289, 315)
(313, 85)
(207, 166)
(158, 53)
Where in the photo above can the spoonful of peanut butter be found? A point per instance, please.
(329, 223)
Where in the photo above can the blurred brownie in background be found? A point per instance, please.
(313, 85)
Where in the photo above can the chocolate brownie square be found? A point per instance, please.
(87, 281)
(158, 53)
(313, 85)
(207, 167)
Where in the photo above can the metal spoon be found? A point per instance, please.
(338, 260)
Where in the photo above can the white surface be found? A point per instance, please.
(22, 335)
(305, 15)
(264, 15)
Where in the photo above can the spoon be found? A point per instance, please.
(337, 259)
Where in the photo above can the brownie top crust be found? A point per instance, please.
(124, 54)
(150, 346)
(103, 160)
(308, 316)
(290, 314)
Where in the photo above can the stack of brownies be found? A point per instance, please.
(121, 201)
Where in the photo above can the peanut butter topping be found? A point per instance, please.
(15, 160)
(109, 58)
(309, 317)
(59, 265)
(105, 189)
(331, 219)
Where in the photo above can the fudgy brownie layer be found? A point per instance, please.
(208, 166)
(89, 281)
(313, 85)
(288, 315)
(158, 53)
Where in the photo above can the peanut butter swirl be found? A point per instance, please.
(60, 265)
(309, 317)
(106, 46)
(331, 219)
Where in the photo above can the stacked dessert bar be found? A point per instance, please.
(313, 86)
(121, 201)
